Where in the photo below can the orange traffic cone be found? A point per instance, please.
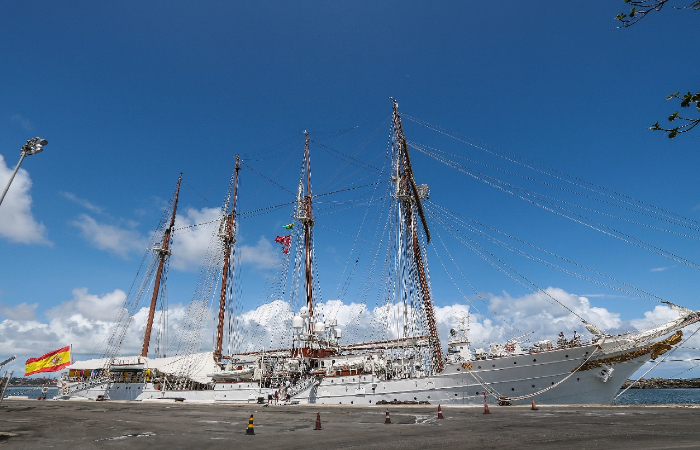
(440, 416)
(250, 430)
(387, 421)
(534, 408)
(318, 421)
(486, 406)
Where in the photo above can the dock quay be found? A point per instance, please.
(171, 425)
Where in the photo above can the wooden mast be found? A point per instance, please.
(410, 198)
(229, 238)
(163, 252)
(308, 222)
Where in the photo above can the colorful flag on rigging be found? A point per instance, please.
(284, 240)
(50, 362)
(289, 226)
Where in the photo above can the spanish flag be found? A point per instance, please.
(50, 362)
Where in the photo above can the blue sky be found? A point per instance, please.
(129, 95)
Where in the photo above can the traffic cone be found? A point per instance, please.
(440, 416)
(250, 430)
(486, 406)
(534, 408)
(318, 421)
(387, 421)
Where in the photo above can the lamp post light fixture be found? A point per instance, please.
(32, 147)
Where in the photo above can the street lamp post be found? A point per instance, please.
(33, 146)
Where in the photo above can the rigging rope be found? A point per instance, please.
(458, 218)
(511, 157)
(673, 350)
(597, 226)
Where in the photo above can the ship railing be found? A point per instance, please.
(82, 386)
(305, 384)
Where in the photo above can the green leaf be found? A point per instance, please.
(673, 133)
(673, 116)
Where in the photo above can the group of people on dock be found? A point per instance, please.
(283, 392)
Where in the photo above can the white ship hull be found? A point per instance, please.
(459, 383)
(591, 374)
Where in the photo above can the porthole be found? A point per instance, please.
(533, 386)
(567, 356)
(515, 362)
(578, 379)
(512, 389)
(493, 365)
(479, 367)
(534, 360)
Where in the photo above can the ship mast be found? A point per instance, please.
(308, 221)
(163, 253)
(408, 193)
(228, 236)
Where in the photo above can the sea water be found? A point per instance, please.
(30, 392)
(659, 397)
(631, 397)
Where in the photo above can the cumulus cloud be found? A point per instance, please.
(23, 311)
(90, 306)
(17, 222)
(86, 319)
(191, 243)
(660, 314)
(262, 255)
(115, 239)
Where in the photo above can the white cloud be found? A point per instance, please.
(538, 312)
(659, 269)
(22, 121)
(114, 239)
(23, 311)
(17, 222)
(86, 319)
(191, 243)
(262, 255)
(660, 314)
(90, 306)
(82, 202)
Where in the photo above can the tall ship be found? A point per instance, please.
(311, 359)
